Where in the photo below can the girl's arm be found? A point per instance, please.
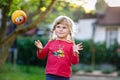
(75, 54)
(74, 58)
(41, 52)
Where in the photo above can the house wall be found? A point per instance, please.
(83, 29)
(119, 35)
(100, 34)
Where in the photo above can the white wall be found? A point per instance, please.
(119, 35)
(84, 29)
(100, 34)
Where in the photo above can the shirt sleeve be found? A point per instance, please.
(44, 52)
(74, 58)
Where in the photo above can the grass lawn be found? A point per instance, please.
(21, 72)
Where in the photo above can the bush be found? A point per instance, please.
(107, 68)
(88, 68)
(27, 50)
(77, 67)
(102, 54)
(118, 73)
(85, 54)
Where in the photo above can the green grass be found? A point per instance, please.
(21, 72)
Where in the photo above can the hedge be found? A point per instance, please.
(27, 52)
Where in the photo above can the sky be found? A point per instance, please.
(113, 2)
(90, 4)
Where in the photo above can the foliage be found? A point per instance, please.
(27, 50)
(77, 67)
(28, 6)
(106, 68)
(118, 73)
(13, 72)
(102, 54)
(85, 54)
(82, 67)
(14, 6)
(88, 68)
(66, 8)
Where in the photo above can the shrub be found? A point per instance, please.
(27, 50)
(77, 67)
(118, 73)
(88, 68)
(107, 68)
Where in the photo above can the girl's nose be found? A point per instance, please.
(60, 28)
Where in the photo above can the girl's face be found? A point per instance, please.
(62, 31)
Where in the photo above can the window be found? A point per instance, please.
(111, 37)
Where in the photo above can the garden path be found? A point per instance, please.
(76, 77)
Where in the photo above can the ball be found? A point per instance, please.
(19, 17)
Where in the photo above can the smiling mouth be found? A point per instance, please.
(61, 33)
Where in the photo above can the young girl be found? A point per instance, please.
(61, 50)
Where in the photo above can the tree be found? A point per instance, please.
(33, 8)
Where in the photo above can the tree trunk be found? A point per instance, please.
(4, 51)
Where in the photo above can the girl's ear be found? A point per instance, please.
(52, 31)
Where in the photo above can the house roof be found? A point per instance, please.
(110, 17)
(31, 32)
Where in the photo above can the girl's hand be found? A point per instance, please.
(77, 47)
(38, 44)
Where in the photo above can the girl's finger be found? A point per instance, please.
(80, 43)
(35, 42)
(80, 47)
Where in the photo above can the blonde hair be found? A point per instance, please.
(63, 20)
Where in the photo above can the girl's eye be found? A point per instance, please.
(64, 27)
(58, 26)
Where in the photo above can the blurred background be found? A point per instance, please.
(97, 26)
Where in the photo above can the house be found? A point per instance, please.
(105, 27)
(108, 26)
